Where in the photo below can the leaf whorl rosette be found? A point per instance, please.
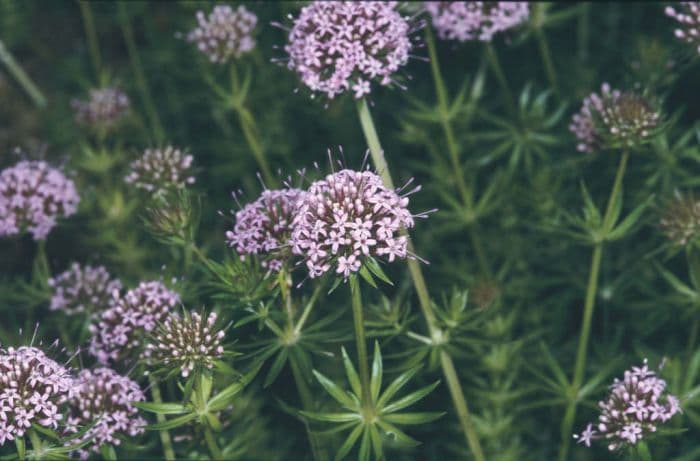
(346, 217)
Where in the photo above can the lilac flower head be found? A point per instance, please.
(635, 407)
(161, 169)
(339, 46)
(687, 14)
(466, 21)
(103, 399)
(33, 389)
(83, 289)
(614, 119)
(264, 226)
(681, 220)
(346, 217)
(224, 34)
(33, 196)
(104, 107)
(186, 342)
(118, 331)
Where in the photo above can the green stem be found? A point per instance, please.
(545, 52)
(421, 289)
(461, 405)
(250, 131)
(361, 344)
(91, 34)
(589, 306)
(22, 78)
(137, 68)
(307, 309)
(168, 452)
(495, 63)
(307, 402)
(213, 447)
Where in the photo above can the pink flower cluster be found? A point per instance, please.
(687, 14)
(33, 195)
(32, 390)
(348, 216)
(160, 169)
(465, 21)
(264, 226)
(634, 408)
(103, 402)
(224, 34)
(118, 331)
(83, 289)
(103, 108)
(613, 118)
(186, 343)
(338, 46)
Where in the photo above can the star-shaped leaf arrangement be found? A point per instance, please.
(367, 421)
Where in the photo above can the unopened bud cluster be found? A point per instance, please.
(681, 220)
(161, 169)
(103, 108)
(687, 14)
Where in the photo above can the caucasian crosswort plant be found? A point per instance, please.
(687, 14)
(83, 289)
(103, 108)
(118, 332)
(159, 170)
(185, 343)
(634, 409)
(614, 119)
(263, 227)
(102, 403)
(337, 47)
(347, 218)
(33, 196)
(33, 389)
(224, 34)
(466, 21)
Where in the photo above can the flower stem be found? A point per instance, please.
(91, 34)
(643, 453)
(168, 452)
(307, 309)
(22, 78)
(495, 63)
(421, 289)
(589, 306)
(213, 447)
(453, 151)
(137, 68)
(361, 344)
(545, 52)
(249, 128)
(307, 403)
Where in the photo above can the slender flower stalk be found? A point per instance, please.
(91, 34)
(360, 341)
(538, 17)
(589, 306)
(165, 440)
(250, 128)
(454, 385)
(21, 76)
(465, 190)
(137, 69)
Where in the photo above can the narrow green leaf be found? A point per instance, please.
(554, 365)
(276, 367)
(377, 372)
(367, 276)
(349, 443)
(350, 371)
(676, 283)
(396, 385)
(410, 399)
(108, 453)
(413, 418)
(395, 433)
(363, 453)
(628, 223)
(223, 398)
(336, 392)
(172, 423)
(161, 408)
(377, 270)
(21, 448)
(332, 417)
(376, 442)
